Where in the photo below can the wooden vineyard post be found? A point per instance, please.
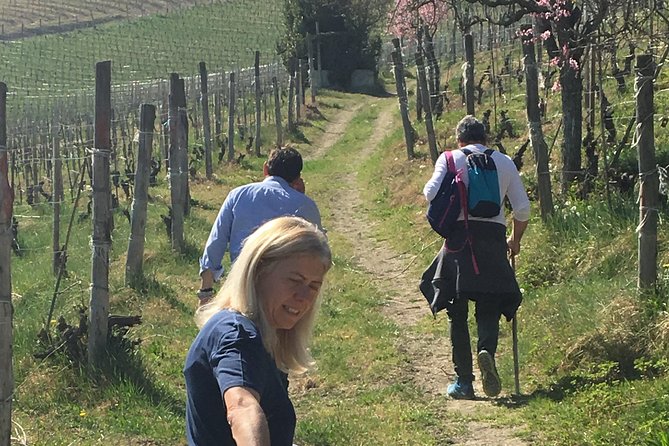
(649, 201)
(299, 87)
(57, 198)
(177, 217)
(258, 98)
(231, 117)
(6, 309)
(291, 95)
(204, 95)
(419, 94)
(318, 56)
(537, 140)
(135, 257)
(312, 72)
(99, 303)
(277, 112)
(217, 121)
(425, 100)
(400, 85)
(469, 73)
(182, 132)
(433, 73)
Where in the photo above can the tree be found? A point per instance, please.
(565, 33)
(407, 15)
(349, 33)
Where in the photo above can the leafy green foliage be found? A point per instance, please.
(351, 34)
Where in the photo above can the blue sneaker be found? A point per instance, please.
(461, 390)
(492, 385)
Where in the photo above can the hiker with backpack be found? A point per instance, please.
(473, 263)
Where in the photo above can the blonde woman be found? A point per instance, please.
(252, 333)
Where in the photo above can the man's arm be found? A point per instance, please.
(216, 246)
(517, 231)
(246, 418)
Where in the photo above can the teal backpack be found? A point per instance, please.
(483, 197)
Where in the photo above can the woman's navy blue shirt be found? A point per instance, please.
(228, 352)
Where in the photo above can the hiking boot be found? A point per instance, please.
(491, 382)
(461, 390)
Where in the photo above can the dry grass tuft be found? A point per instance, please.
(621, 338)
(660, 338)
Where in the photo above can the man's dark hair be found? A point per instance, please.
(285, 162)
(470, 130)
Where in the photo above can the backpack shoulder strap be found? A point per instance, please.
(450, 161)
(489, 152)
(467, 152)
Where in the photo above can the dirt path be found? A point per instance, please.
(333, 131)
(389, 271)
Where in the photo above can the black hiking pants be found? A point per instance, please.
(487, 314)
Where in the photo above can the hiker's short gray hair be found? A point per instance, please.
(470, 130)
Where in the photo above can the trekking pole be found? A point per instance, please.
(514, 330)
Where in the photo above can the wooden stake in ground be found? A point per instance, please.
(534, 123)
(177, 214)
(425, 100)
(258, 97)
(204, 99)
(400, 86)
(312, 72)
(231, 117)
(277, 112)
(469, 73)
(291, 94)
(6, 311)
(648, 175)
(99, 303)
(135, 258)
(56, 198)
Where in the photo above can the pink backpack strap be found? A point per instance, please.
(462, 190)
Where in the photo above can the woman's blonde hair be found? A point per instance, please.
(272, 242)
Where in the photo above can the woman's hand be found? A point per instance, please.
(298, 184)
(245, 417)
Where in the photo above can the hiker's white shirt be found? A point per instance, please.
(510, 184)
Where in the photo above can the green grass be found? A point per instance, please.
(225, 35)
(577, 270)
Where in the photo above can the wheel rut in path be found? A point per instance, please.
(390, 272)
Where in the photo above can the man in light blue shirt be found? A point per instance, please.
(247, 207)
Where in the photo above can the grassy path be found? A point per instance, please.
(393, 274)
